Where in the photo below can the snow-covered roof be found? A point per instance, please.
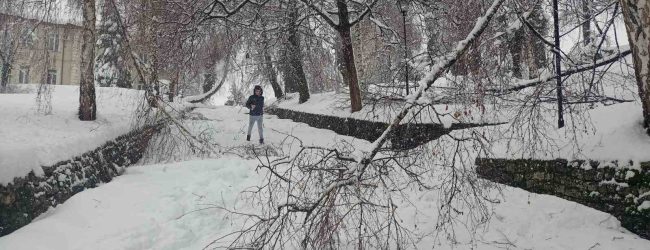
(63, 20)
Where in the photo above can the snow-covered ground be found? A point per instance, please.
(31, 140)
(173, 206)
(612, 132)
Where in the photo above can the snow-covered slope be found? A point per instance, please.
(174, 206)
(31, 140)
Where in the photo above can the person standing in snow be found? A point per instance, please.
(255, 103)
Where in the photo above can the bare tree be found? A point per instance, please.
(342, 21)
(324, 198)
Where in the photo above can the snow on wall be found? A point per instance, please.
(27, 197)
(618, 188)
(31, 140)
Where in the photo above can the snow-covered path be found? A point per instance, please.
(142, 209)
(150, 207)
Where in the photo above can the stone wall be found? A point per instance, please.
(619, 188)
(406, 136)
(25, 198)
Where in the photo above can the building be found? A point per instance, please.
(42, 52)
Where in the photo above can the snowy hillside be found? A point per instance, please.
(32, 140)
(184, 205)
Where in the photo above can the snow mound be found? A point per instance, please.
(31, 140)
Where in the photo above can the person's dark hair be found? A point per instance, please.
(258, 87)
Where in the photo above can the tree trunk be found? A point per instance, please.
(586, 26)
(350, 75)
(87, 105)
(294, 75)
(515, 46)
(287, 73)
(539, 22)
(340, 64)
(173, 85)
(270, 73)
(350, 70)
(4, 77)
(295, 63)
(636, 14)
(558, 66)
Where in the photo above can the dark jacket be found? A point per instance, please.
(258, 101)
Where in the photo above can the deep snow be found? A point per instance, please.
(31, 140)
(150, 207)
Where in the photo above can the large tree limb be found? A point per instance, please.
(542, 79)
(354, 174)
(216, 87)
(321, 13)
(210, 9)
(437, 71)
(364, 13)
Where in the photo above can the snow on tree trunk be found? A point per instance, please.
(87, 106)
(294, 76)
(636, 14)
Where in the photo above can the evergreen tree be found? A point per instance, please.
(110, 65)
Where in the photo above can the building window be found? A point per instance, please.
(23, 75)
(27, 39)
(53, 41)
(51, 76)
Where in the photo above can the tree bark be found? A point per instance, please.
(287, 74)
(558, 66)
(586, 26)
(173, 85)
(515, 46)
(350, 74)
(87, 105)
(7, 59)
(636, 14)
(340, 64)
(294, 75)
(4, 78)
(270, 72)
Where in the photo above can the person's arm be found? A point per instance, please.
(248, 103)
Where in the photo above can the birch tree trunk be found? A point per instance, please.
(636, 14)
(87, 105)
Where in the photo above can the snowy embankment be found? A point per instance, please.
(604, 133)
(333, 104)
(31, 140)
(178, 205)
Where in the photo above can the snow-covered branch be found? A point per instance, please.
(215, 87)
(542, 79)
(426, 83)
(321, 13)
(364, 13)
